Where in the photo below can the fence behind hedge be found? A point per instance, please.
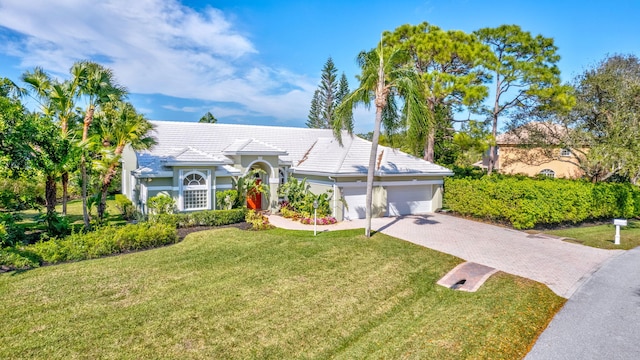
(525, 202)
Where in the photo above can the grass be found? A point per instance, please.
(275, 294)
(601, 236)
(74, 215)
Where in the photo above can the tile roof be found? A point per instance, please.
(310, 151)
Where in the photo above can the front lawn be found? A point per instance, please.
(278, 294)
(601, 236)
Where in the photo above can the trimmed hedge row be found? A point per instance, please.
(526, 202)
(102, 242)
(201, 218)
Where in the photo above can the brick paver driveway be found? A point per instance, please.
(560, 265)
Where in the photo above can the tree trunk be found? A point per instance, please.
(50, 194)
(494, 127)
(430, 141)
(102, 206)
(88, 119)
(65, 192)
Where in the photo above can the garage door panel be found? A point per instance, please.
(407, 200)
(356, 199)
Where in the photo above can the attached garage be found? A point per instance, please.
(355, 197)
(406, 200)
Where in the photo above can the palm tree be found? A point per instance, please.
(98, 86)
(118, 125)
(58, 102)
(384, 76)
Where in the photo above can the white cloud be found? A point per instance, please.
(155, 47)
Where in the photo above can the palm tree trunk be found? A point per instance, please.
(430, 141)
(50, 193)
(371, 171)
(88, 119)
(106, 182)
(494, 127)
(65, 192)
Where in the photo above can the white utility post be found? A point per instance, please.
(315, 217)
(618, 223)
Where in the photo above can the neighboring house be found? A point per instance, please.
(192, 161)
(518, 152)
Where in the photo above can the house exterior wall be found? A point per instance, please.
(531, 161)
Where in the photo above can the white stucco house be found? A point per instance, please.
(192, 161)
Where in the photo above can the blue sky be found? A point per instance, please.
(258, 62)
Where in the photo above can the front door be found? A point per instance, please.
(254, 197)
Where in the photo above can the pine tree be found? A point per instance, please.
(314, 118)
(327, 97)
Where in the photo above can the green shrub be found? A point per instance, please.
(226, 200)
(258, 221)
(104, 241)
(14, 258)
(201, 218)
(526, 203)
(162, 204)
(21, 193)
(125, 206)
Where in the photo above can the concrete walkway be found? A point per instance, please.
(560, 265)
(601, 320)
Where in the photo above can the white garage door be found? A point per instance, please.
(405, 200)
(356, 200)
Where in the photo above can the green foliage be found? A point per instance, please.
(526, 203)
(327, 97)
(248, 184)
(299, 199)
(14, 258)
(258, 221)
(208, 118)
(125, 206)
(294, 191)
(104, 241)
(162, 204)
(21, 193)
(201, 218)
(227, 199)
(56, 224)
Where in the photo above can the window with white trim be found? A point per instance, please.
(195, 192)
(548, 172)
(565, 152)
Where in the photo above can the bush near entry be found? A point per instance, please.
(526, 203)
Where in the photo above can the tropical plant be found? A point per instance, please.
(118, 125)
(384, 75)
(248, 185)
(162, 204)
(227, 199)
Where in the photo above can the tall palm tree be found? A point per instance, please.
(384, 77)
(57, 101)
(98, 87)
(118, 125)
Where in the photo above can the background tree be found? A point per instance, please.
(327, 97)
(384, 76)
(208, 118)
(603, 127)
(525, 73)
(118, 125)
(16, 130)
(97, 87)
(448, 64)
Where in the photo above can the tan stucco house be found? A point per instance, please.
(192, 161)
(517, 152)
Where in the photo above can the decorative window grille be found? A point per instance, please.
(195, 193)
(548, 172)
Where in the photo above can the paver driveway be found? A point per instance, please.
(560, 265)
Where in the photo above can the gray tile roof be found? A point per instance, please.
(309, 151)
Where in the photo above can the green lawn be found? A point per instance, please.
(74, 214)
(601, 236)
(275, 294)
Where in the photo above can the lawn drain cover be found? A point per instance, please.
(467, 276)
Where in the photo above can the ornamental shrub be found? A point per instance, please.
(125, 206)
(258, 221)
(201, 218)
(526, 202)
(162, 204)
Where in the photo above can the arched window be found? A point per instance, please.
(548, 172)
(195, 192)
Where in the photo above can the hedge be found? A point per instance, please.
(526, 203)
(104, 241)
(201, 218)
